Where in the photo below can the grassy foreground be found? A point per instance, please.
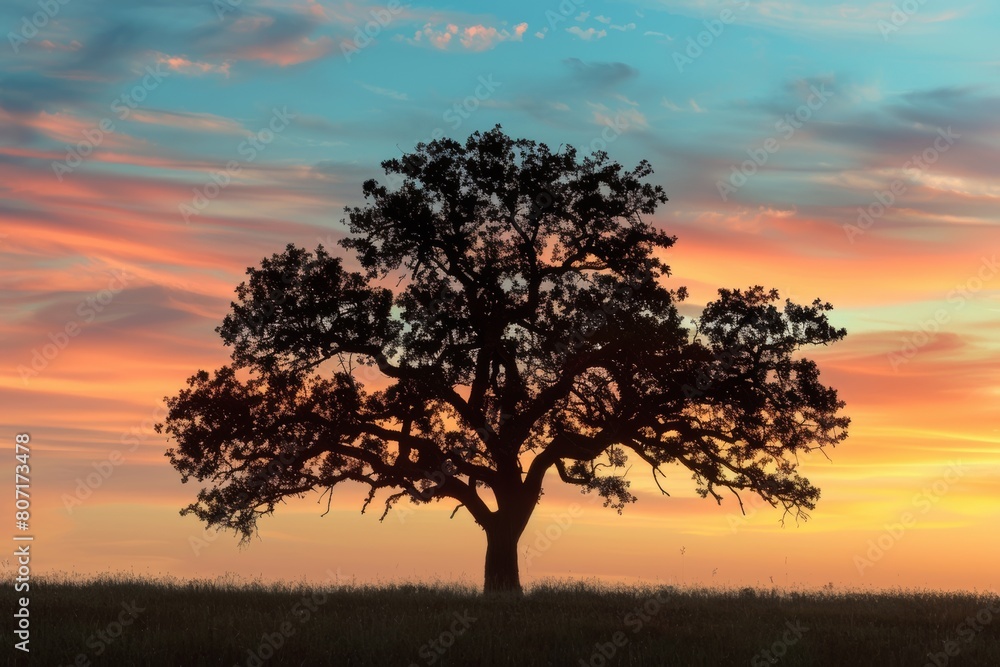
(130, 621)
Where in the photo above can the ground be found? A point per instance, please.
(128, 621)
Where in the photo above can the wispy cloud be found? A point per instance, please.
(385, 92)
(199, 122)
(669, 105)
(821, 17)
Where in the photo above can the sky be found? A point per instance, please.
(151, 151)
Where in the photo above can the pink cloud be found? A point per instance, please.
(289, 53)
(53, 46)
(477, 37)
(317, 10)
(67, 128)
(185, 66)
(439, 38)
(251, 23)
(204, 122)
(483, 38)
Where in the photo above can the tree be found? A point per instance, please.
(512, 299)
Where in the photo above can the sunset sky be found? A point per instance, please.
(151, 151)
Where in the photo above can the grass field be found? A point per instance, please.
(128, 621)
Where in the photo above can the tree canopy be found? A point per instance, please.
(515, 308)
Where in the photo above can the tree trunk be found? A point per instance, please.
(502, 575)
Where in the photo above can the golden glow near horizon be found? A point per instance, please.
(912, 493)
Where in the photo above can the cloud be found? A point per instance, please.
(482, 38)
(290, 53)
(600, 74)
(62, 127)
(280, 38)
(54, 46)
(966, 107)
(477, 37)
(634, 119)
(437, 38)
(385, 92)
(588, 34)
(841, 19)
(669, 105)
(629, 118)
(199, 122)
(183, 65)
(108, 54)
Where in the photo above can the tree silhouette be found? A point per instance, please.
(512, 302)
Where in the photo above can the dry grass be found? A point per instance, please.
(185, 624)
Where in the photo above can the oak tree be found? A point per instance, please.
(506, 320)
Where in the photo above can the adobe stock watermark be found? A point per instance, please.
(122, 106)
(302, 612)
(698, 44)
(435, 479)
(635, 621)
(544, 538)
(255, 480)
(456, 115)
(87, 311)
(901, 14)
(596, 319)
(922, 502)
(365, 34)
(786, 127)
(885, 199)
(565, 11)
(967, 630)
(105, 468)
(613, 128)
(432, 651)
(210, 532)
(30, 25)
(461, 111)
(199, 543)
(724, 360)
(958, 297)
(99, 641)
(255, 143)
(776, 651)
